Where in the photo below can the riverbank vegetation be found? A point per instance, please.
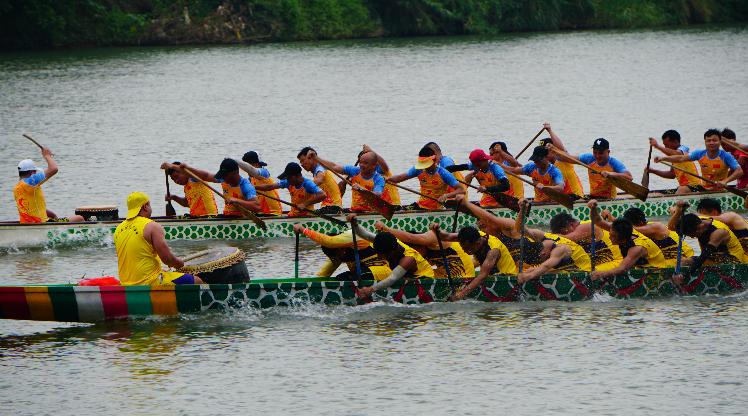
(27, 24)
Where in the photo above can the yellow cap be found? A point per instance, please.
(425, 162)
(135, 202)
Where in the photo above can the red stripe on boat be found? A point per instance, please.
(510, 297)
(731, 281)
(627, 291)
(691, 286)
(584, 290)
(399, 296)
(545, 293)
(114, 301)
(423, 296)
(13, 303)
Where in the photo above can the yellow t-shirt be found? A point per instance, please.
(137, 261)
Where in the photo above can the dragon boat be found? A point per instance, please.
(16, 235)
(71, 303)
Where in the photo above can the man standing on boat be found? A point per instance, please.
(608, 166)
(30, 201)
(716, 164)
(260, 175)
(304, 193)
(364, 177)
(543, 173)
(671, 147)
(197, 197)
(141, 247)
(237, 189)
(333, 202)
(435, 181)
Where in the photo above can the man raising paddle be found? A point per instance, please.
(364, 177)
(607, 166)
(237, 190)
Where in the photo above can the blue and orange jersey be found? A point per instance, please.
(200, 199)
(717, 168)
(267, 205)
(374, 183)
(391, 190)
(446, 162)
(516, 186)
(329, 186)
(244, 190)
(685, 179)
(492, 176)
(550, 177)
(572, 184)
(299, 194)
(32, 207)
(433, 185)
(601, 187)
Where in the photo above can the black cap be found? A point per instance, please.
(539, 152)
(253, 157)
(292, 168)
(601, 144)
(546, 141)
(227, 166)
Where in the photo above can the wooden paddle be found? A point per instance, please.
(737, 192)
(592, 240)
(530, 143)
(645, 176)
(633, 188)
(296, 257)
(437, 232)
(170, 211)
(505, 200)
(307, 210)
(249, 214)
(732, 144)
(377, 202)
(555, 195)
(356, 256)
(35, 142)
(524, 213)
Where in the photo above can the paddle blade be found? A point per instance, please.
(634, 189)
(738, 192)
(645, 180)
(507, 201)
(560, 197)
(170, 211)
(380, 205)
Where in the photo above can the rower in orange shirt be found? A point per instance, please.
(608, 166)
(572, 184)
(543, 173)
(435, 181)
(197, 197)
(671, 146)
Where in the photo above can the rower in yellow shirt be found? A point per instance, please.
(197, 197)
(607, 254)
(572, 184)
(141, 247)
(333, 202)
(671, 146)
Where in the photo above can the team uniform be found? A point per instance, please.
(200, 199)
(572, 184)
(300, 194)
(516, 186)
(390, 189)
(374, 183)
(446, 162)
(730, 251)
(32, 207)
(607, 255)
(716, 169)
(488, 178)
(244, 190)
(460, 263)
(601, 187)
(330, 187)
(423, 267)
(551, 177)
(669, 247)
(579, 260)
(368, 258)
(685, 179)
(654, 257)
(506, 263)
(433, 185)
(267, 205)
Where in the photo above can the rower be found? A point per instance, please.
(435, 181)
(637, 249)
(490, 176)
(665, 239)
(30, 201)
(608, 166)
(260, 175)
(402, 260)
(197, 197)
(363, 177)
(384, 169)
(716, 164)
(671, 146)
(543, 173)
(500, 155)
(444, 162)
(559, 254)
(333, 202)
(460, 263)
(489, 251)
(141, 247)
(572, 184)
(339, 249)
(739, 154)
(607, 254)
(237, 190)
(304, 192)
(709, 207)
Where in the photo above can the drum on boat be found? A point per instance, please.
(98, 212)
(218, 265)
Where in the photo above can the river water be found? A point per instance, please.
(112, 115)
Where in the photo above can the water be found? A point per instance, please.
(111, 116)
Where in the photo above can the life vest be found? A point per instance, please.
(200, 199)
(298, 196)
(601, 187)
(607, 255)
(544, 178)
(32, 207)
(714, 169)
(460, 263)
(579, 259)
(137, 261)
(358, 202)
(267, 205)
(685, 179)
(487, 179)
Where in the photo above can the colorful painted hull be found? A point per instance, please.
(13, 234)
(93, 304)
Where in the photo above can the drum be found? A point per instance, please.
(218, 265)
(98, 213)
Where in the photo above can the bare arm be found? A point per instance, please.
(52, 168)
(267, 186)
(554, 137)
(154, 234)
(654, 230)
(251, 170)
(667, 174)
(313, 199)
(250, 204)
(179, 200)
(202, 174)
(485, 270)
(680, 206)
(427, 239)
(331, 165)
(633, 256)
(737, 173)
(673, 158)
(558, 254)
(503, 224)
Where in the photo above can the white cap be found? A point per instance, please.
(27, 165)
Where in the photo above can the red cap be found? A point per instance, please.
(478, 155)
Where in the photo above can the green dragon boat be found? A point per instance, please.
(15, 235)
(71, 303)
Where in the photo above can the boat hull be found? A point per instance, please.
(93, 304)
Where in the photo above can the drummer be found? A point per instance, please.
(197, 197)
(30, 201)
(304, 193)
(237, 190)
(141, 247)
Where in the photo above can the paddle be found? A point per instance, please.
(296, 258)
(555, 195)
(249, 214)
(737, 192)
(41, 148)
(530, 143)
(633, 188)
(592, 239)
(733, 144)
(356, 256)
(170, 211)
(645, 176)
(524, 213)
(505, 200)
(397, 185)
(679, 256)
(307, 210)
(446, 262)
(377, 202)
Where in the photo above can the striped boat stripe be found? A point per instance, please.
(138, 300)
(114, 301)
(40, 304)
(88, 299)
(13, 304)
(164, 300)
(64, 303)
